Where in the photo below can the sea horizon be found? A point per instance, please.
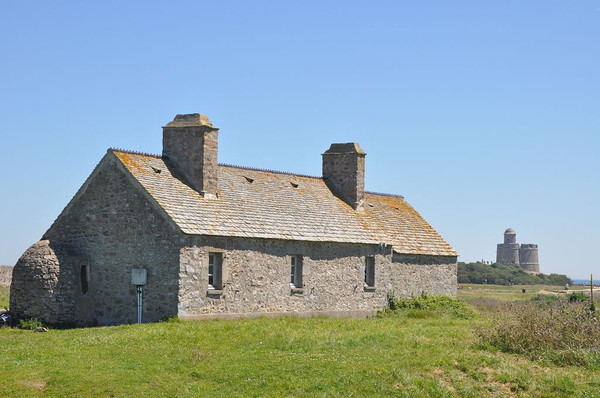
(585, 281)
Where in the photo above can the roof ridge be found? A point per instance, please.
(385, 194)
(134, 152)
(250, 168)
(220, 164)
(267, 170)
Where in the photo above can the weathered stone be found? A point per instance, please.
(81, 272)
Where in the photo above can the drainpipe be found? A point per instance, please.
(139, 278)
(140, 290)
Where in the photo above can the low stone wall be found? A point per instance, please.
(5, 275)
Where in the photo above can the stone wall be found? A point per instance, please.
(528, 258)
(256, 277)
(344, 172)
(109, 229)
(507, 253)
(5, 275)
(191, 143)
(42, 287)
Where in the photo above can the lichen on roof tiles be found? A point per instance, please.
(270, 207)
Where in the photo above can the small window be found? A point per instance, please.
(370, 271)
(296, 272)
(215, 262)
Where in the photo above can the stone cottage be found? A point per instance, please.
(149, 237)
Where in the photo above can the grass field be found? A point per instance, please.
(410, 355)
(470, 292)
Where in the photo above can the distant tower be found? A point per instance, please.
(508, 252)
(525, 255)
(528, 258)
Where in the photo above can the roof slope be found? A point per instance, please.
(264, 204)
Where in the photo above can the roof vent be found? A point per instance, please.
(294, 184)
(157, 171)
(250, 180)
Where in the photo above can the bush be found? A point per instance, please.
(546, 299)
(436, 304)
(577, 296)
(563, 333)
(498, 274)
(29, 324)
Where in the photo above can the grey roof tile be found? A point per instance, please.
(270, 207)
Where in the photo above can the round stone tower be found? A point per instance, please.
(510, 236)
(41, 288)
(508, 252)
(528, 258)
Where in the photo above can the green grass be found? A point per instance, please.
(404, 355)
(470, 292)
(318, 357)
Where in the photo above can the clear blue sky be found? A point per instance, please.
(484, 115)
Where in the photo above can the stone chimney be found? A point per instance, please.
(190, 142)
(344, 172)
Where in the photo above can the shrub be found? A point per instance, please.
(577, 296)
(29, 324)
(498, 274)
(436, 304)
(546, 299)
(563, 333)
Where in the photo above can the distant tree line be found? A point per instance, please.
(498, 274)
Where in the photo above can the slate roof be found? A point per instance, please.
(265, 204)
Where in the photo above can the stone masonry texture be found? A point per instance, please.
(168, 214)
(111, 229)
(256, 276)
(344, 172)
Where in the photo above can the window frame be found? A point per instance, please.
(296, 264)
(369, 275)
(215, 271)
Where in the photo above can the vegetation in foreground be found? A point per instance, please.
(548, 328)
(476, 294)
(426, 305)
(424, 347)
(498, 274)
